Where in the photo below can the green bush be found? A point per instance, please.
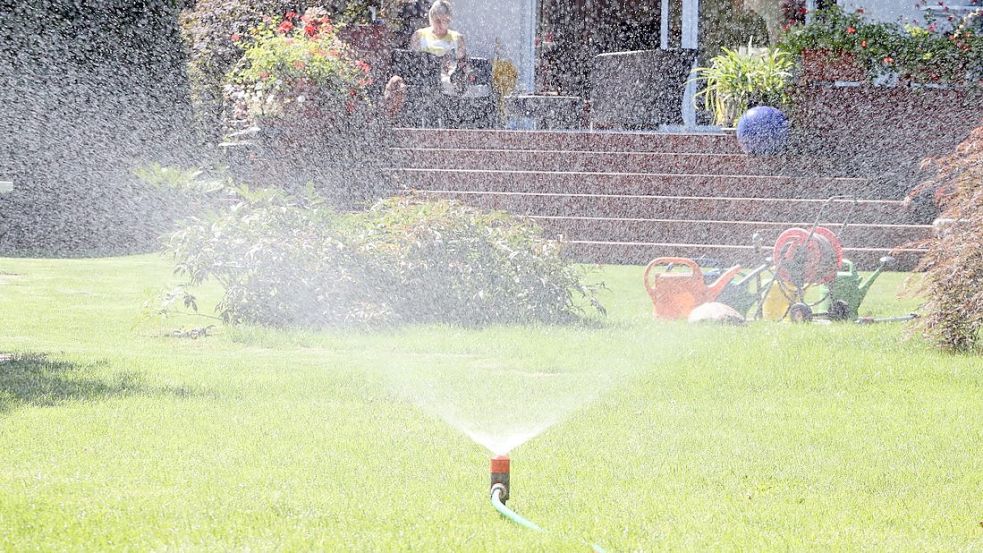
(284, 261)
(954, 262)
(444, 262)
(281, 262)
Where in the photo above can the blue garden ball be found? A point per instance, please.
(763, 131)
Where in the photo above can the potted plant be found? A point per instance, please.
(306, 92)
(740, 79)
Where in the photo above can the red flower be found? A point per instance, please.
(235, 37)
(290, 15)
(363, 66)
(860, 11)
(285, 27)
(888, 60)
(863, 43)
(803, 11)
(310, 30)
(851, 31)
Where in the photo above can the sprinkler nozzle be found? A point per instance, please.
(500, 475)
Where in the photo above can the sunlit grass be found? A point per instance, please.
(687, 438)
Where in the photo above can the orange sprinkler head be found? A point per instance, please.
(500, 475)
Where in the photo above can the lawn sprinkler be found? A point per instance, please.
(500, 493)
(674, 295)
(842, 297)
(500, 477)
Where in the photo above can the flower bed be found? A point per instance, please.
(849, 45)
(307, 93)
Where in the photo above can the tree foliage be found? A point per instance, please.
(954, 262)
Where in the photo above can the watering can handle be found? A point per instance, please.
(659, 261)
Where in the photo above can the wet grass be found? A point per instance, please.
(115, 436)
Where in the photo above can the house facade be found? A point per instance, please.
(527, 31)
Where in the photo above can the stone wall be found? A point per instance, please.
(883, 132)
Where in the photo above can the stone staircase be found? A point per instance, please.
(630, 197)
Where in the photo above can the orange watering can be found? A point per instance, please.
(674, 295)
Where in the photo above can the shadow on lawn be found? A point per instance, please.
(33, 379)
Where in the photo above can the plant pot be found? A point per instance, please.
(830, 66)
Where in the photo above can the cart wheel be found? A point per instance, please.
(839, 310)
(800, 313)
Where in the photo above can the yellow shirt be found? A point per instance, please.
(439, 46)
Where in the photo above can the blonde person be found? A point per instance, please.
(441, 41)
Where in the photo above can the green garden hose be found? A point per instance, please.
(496, 499)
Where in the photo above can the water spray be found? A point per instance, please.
(500, 483)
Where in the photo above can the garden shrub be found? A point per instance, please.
(954, 261)
(445, 262)
(281, 262)
(88, 91)
(288, 261)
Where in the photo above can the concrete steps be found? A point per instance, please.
(580, 161)
(884, 212)
(568, 140)
(730, 233)
(650, 184)
(630, 197)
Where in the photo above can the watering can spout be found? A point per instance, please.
(717, 287)
(885, 261)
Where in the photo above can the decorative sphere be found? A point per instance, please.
(763, 130)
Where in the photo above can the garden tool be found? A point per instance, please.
(674, 295)
(901, 319)
(739, 293)
(802, 258)
(843, 296)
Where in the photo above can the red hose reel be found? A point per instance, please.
(806, 257)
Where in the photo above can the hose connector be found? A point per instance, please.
(500, 476)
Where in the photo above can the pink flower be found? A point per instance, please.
(290, 15)
(364, 67)
(851, 31)
(310, 30)
(888, 60)
(285, 27)
(235, 37)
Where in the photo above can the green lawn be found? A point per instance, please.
(664, 436)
